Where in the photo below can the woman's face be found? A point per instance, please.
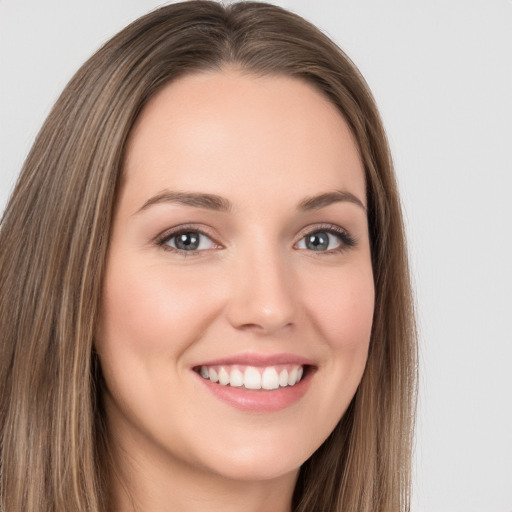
(239, 253)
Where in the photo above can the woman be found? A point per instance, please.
(205, 296)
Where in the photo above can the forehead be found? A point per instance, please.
(223, 129)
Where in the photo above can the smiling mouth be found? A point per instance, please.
(254, 377)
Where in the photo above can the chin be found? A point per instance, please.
(258, 462)
(258, 469)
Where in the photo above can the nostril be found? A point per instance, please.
(263, 302)
(264, 327)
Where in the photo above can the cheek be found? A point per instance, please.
(342, 306)
(149, 319)
(151, 311)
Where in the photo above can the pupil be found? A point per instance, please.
(187, 241)
(317, 242)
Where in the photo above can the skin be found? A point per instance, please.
(266, 144)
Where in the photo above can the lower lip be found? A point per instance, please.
(259, 400)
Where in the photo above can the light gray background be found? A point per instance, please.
(441, 71)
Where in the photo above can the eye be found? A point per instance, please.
(332, 239)
(319, 241)
(188, 241)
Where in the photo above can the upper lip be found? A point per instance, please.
(254, 359)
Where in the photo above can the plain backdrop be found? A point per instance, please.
(441, 71)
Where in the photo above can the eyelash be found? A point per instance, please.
(347, 241)
(163, 239)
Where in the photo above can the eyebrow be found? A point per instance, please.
(328, 198)
(194, 199)
(221, 204)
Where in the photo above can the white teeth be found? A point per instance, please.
(252, 378)
(237, 378)
(283, 378)
(292, 377)
(270, 379)
(223, 377)
(212, 375)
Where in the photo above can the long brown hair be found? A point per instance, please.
(54, 237)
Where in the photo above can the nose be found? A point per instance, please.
(262, 293)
